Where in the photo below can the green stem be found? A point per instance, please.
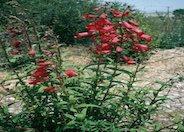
(9, 62)
(61, 81)
(59, 56)
(110, 84)
(156, 95)
(96, 79)
(37, 38)
(132, 79)
(24, 28)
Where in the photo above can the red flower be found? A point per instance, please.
(53, 46)
(109, 28)
(71, 73)
(133, 23)
(126, 13)
(83, 34)
(125, 37)
(48, 53)
(12, 35)
(93, 38)
(34, 81)
(106, 52)
(15, 52)
(50, 89)
(140, 48)
(146, 37)
(40, 61)
(137, 31)
(117, 14)
(115, 40)
(103, 16)
(119, 49)
(88, 16)
(31, 52)
(105, 38)
(106, 46)
(129, 60)
(102, 59)
(40, 74)
(42, 64)
(134, 40)
(97, 9)
(127, 25)
(16, 44)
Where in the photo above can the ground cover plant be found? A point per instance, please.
(59, 97)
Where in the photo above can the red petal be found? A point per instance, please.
(119, 49)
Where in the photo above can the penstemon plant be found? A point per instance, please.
(55, 97)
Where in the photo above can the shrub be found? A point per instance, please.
(55, 97)
(174, 37)
(167, 30)
(63, 16)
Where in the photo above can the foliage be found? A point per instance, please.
(58, 97)
(168, 30)
(63, 16)
(178, 13)
(5, 11)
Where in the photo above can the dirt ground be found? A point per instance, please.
(164, 65)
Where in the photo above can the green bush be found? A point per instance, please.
(5, 11)
(174, 34)
(98, 97)
(63, 16)
(168, 30)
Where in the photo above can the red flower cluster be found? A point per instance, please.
(50, 89)
(111, 37)
(31, 52)
(139, 48)
(13, 33)
(15, 52)
(16, 44)
(70, 73)
(129, 60)
(41, 73)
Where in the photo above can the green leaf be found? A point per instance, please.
(88, 105)
(71, 123)
(162, 98)
(62, 103)
(141, 68)
(61, 44)
(181, 128)
(81, 116)
(122, 70)
(40, 90)
(94, 64)
(16, 117)
(73, 110)
(5, 109)
(69, 116)
(177, 119)
(84, 111)
(157, 127)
